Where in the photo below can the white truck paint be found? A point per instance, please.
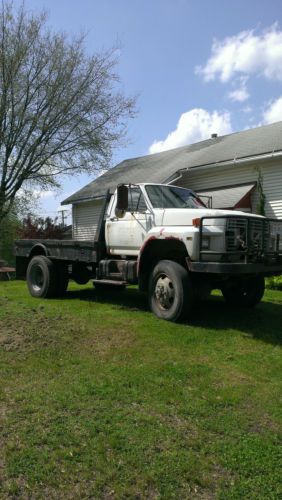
(126, 235)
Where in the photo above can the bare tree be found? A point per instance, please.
(60, 109)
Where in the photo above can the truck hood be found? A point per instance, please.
(185, 216)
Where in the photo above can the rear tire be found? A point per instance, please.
(244, 292)
(41, 277)
(170, 291)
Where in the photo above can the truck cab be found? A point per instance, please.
(163, 212)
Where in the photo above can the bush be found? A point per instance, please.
(8, 233)
(38, 227)
(274, 282)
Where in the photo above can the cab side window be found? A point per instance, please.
(136, 201)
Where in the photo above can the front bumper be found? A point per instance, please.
(267, 269)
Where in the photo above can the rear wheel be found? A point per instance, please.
(41, 277)
(170, 291)
(245, 292)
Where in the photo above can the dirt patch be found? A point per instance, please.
(35, 330)
(181, 424)
(231, 378)
(31, 331)
(264, 424)
(109, 341)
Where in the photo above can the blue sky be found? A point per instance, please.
(198, 66)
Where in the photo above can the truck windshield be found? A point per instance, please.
(172, 197)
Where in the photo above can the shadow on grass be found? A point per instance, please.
(129, 299)
(263, 322)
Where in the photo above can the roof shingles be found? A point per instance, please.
(161, 166)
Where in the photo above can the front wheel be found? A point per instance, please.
(170, 291)
(245, 292)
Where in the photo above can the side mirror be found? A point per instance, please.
(122, 200)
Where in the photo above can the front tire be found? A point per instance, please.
(244, 292)
(170, 291)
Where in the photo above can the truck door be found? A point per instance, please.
(125, 236)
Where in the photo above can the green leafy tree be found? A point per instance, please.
(61, 110)
(8, 233)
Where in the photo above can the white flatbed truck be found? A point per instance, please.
(164, 239)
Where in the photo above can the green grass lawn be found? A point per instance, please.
(100, 399)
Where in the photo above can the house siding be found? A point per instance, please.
(217, 177)
(85, 217)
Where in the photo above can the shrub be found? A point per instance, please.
(274, 282)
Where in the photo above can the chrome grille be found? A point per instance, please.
(259, 234)
(236, 234)
(256, 236)
(247, 234)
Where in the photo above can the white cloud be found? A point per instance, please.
(240, 95)
(247, 109)
(44, 194)
(194, 125)
(36, 193)
(273, 113)
(245, 53)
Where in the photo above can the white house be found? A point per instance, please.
(226, 168)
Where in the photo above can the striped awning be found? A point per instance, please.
(229, 197)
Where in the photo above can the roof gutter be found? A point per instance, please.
(227, 163)
(172, 178)
(69, 201)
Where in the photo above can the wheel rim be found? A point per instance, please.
(36, 278)
(164, 292)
